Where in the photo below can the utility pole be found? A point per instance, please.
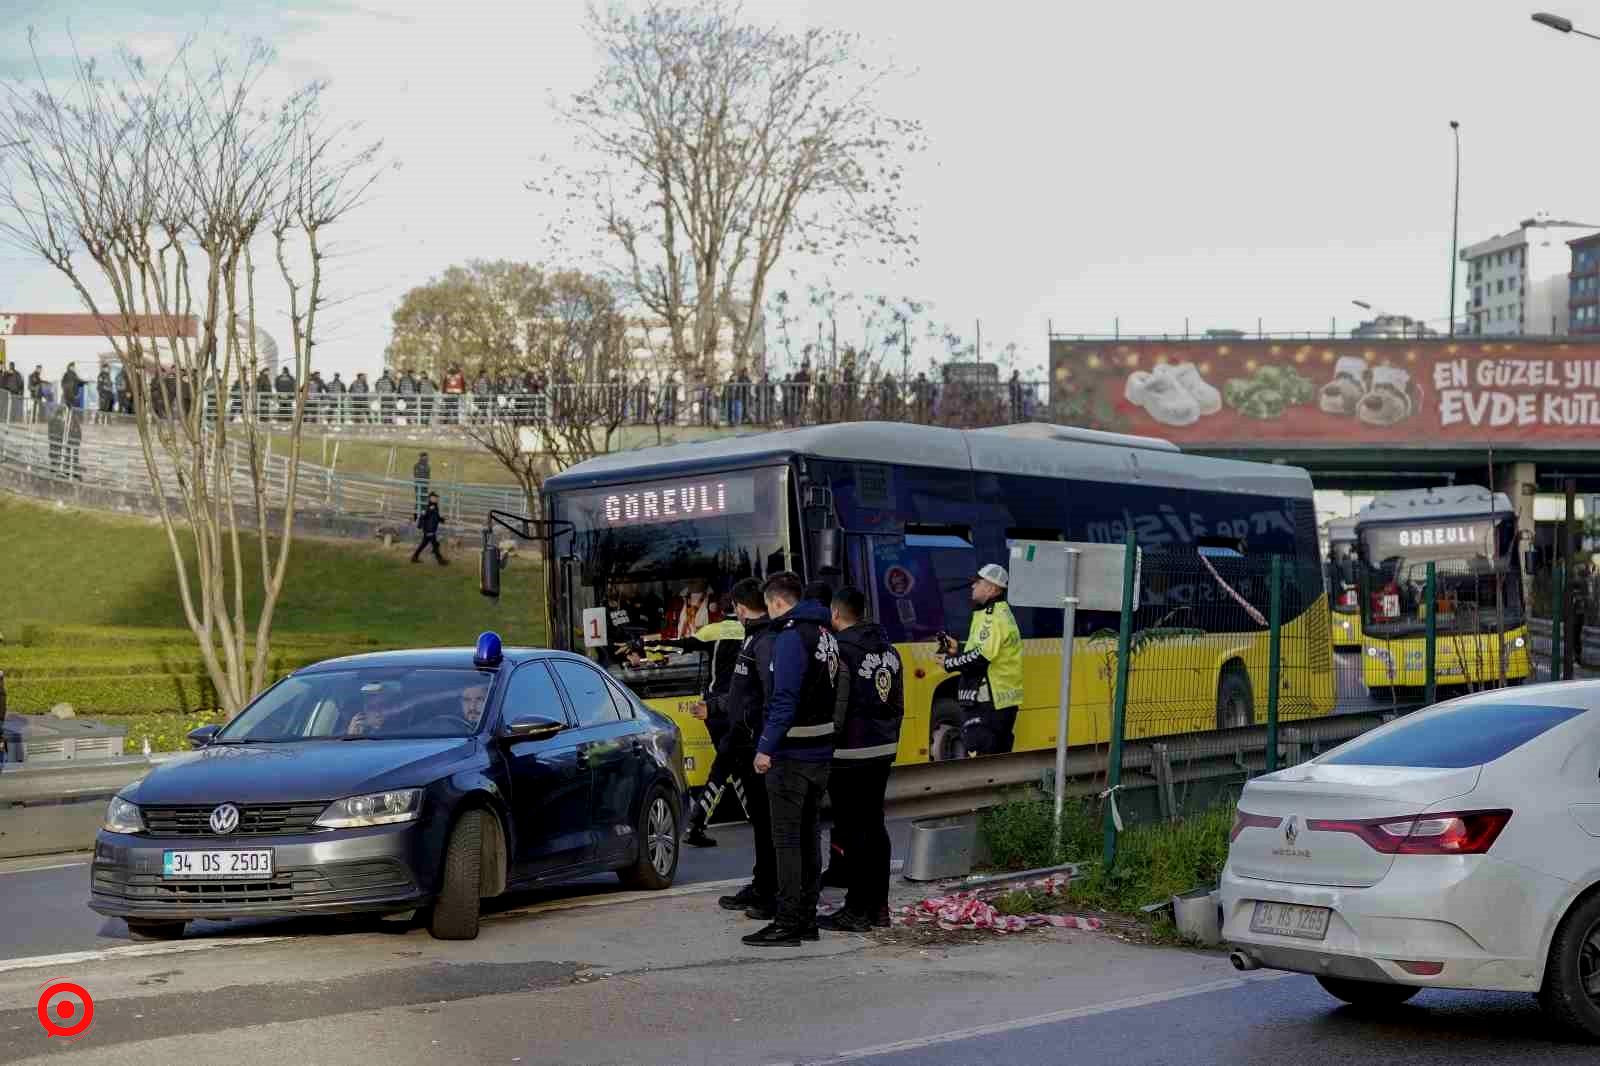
(1455, 226)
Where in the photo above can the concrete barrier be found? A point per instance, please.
(57, 807)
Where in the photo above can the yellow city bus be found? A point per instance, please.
(1470, 535)
(1343, 595)
(908, 513)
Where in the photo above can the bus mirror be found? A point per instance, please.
(830, 550)
(1527, 560)
(489, 567)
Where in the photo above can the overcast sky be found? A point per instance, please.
(1225, 161)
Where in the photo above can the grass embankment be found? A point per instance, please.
(1154, 861)
(91, 615)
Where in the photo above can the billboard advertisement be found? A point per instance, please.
(1334, 393)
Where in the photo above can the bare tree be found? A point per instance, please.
(723, 146)
(571, 341)
(154, 192)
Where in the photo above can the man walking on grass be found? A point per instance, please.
(429, 521)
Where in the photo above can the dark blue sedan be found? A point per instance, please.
(399, 781)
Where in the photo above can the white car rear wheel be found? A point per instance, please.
(1571, 992)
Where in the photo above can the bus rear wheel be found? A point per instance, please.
(1236, 706)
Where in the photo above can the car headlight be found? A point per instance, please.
(378, 808)
(123, 817)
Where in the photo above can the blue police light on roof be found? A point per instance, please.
(488, 652)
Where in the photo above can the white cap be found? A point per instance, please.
(994, 574)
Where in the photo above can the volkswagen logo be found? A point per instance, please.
(1290, 830)
(225, 819)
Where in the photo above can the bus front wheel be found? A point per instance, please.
(1235, 704)
(945, 742)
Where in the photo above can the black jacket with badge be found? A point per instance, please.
(746, 698)
(871, 695)
(428, 521)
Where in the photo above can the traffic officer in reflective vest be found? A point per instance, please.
(990, 665)
(795, 751)
(866, 722)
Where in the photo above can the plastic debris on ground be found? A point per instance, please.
(972, 910)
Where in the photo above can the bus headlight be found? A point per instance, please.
(1519, 642)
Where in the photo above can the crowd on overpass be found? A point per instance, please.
(407, 398)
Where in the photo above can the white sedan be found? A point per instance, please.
(1456, 847)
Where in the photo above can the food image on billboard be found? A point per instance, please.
(1331, 392)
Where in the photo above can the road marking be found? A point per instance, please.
(135, 951)
(618, 897)
(40, 869)
(1128, 1003)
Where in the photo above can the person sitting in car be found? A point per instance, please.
(473, 698)
(378, 713)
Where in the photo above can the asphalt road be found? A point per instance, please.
(51, 894)
(1270, 1024)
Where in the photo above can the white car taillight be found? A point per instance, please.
(1456, 833)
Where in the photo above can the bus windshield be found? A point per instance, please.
(654, 562)
(1396, 555)
(1342, 564)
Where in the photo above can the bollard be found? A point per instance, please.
(1430, 648)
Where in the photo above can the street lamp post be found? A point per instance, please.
(1455, 226)
(1560, 24)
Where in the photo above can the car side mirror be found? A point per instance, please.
(533, 727)
(202, 737)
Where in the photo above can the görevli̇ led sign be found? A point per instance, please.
(1331, 393)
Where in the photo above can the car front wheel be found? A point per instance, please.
(1367, 993)
(1571, 992)
(455, 912)
(659, 832)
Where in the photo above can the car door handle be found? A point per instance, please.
(583, 757)
(638, 745)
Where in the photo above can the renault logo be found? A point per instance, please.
(225, 819)
(1290, 830)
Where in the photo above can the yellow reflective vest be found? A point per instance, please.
(995, 637)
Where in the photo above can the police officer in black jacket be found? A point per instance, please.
(869, 707)
(745, 704)
(795, 751)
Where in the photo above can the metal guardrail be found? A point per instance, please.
(943, 788)
(57, 808)
(722, 405)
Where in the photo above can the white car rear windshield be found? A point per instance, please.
(1469, 735)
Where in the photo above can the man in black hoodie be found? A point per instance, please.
(867, 715)
(428, 521)
(746, 706)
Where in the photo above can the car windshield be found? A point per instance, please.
(373, 703)
(1469, 734)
